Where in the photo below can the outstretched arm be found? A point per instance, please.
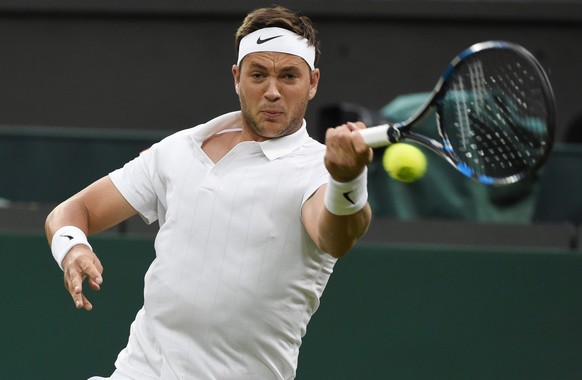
(337, 230)
(94, 209)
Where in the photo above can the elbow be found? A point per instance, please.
(340, 246)
(47, 226)
(338, 254)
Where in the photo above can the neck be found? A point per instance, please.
(218, 145)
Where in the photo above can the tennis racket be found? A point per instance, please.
(495, 115)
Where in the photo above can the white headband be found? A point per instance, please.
(277, 40)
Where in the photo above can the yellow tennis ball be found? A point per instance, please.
(404, 162)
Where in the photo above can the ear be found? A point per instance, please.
(315, 75)
(236, 76)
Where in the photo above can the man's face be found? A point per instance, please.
(274, 89)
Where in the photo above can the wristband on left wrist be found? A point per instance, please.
(64, 239)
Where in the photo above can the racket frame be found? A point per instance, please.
(387, 134)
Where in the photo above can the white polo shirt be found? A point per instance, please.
(236, 277)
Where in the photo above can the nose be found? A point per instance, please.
(272, 92)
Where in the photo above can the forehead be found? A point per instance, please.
(273, 60)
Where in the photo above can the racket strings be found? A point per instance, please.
(495, 114)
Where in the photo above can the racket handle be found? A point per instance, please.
(377, 136)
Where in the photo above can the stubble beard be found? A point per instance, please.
(256, 127)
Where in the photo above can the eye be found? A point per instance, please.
(290, 76)
(257, 75)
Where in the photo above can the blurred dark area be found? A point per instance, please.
(154, 65)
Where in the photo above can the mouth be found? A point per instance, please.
(272, 111)
(272, 114)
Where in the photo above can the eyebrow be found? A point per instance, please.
(256, 65)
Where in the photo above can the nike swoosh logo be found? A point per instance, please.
(260, 41)
(347, 197)
(67, 236)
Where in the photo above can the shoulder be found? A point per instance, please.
(174, 142)
(197, 134)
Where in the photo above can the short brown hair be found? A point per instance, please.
(281, 17)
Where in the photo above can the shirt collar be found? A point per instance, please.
(279, 147)
(272, 148)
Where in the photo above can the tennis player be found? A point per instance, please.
(253, 215)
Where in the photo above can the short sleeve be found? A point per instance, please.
(136, 181)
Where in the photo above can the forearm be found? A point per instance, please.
(94, 209)
(72, 251)
(338, 214)
(68, 213)
(337, 234)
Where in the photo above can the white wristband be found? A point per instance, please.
(66, 238)
(346, 198)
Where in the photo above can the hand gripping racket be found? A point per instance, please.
(495, 115)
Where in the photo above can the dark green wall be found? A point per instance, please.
(51, 164)
(44, 336)
(448, 313)
(389, 312)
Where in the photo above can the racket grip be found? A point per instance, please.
(377, 136)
